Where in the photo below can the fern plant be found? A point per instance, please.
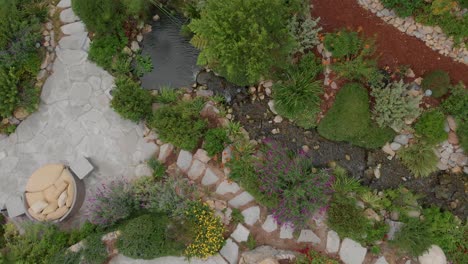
(420, 159)
(393, 106)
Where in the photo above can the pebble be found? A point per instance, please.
(278, 119)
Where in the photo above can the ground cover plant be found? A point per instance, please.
(457, 106)
(438, 82)
(349, 120)
(130, 100)
(215, 140)
(419, 158)
(430, 126)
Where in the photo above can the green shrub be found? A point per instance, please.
(87, 229)
(130, 100)
(457, 103)
(121, 64)
(136, 8)
(66, 257)
(8, 91)
(414, 238)
(147, 237)
(215, 139)
(95, 251)
(349, 120)
(404, 8)
(430, 126)
(314, 257)
(463, 3)
(143, 65)
(104, 48)
(462, 132)
(392, 106)
(344, 44)
(167, 95)
(180, 124)
(304, 32)
(159, 170)
(100, 16)
(236, 216)
(237, 42)
(437, 81)
(298, 97)
(419, 158)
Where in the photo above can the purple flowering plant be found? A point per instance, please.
(289, 178)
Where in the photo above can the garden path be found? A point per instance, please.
(74, 119)
(393, 47)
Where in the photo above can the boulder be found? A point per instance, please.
(434, 255)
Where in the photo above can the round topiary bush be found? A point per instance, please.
(438, 82)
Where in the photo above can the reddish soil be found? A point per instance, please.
(394, 47)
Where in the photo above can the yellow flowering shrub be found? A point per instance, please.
(208, 237)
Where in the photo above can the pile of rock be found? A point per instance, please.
(433, 37)
(451, 155)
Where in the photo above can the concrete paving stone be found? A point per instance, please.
(351, 252)
(333, 242)
(308, 236)
(71, 57)
(165, 151)
(202, 155)
(241, 199)
(64, 4)
(251, 215)
(73, 42)
(73, 28)
(286, 231)
(381, 260)
(77, 73)
(80, 93)
(196, 170)
(227, 187)
(241, 234)
(270, 224)
(230, 251)
(121, 259)
(68, 16)
(184, 161)
(210, 177)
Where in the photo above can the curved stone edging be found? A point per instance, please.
(433, 37)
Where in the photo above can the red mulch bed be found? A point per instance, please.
(394, 47)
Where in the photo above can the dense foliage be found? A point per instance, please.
(305, 32)
(413, 238)
(100, 16)
(430, 126)
(95, 251)
(130, 100)
(457, 106)
(392, 106)
(239, 43)
(297, 97)
(314, 257)
(349, 120)
(438, 82)
(404, 8)
(104, 48)
(420, 159)
(215, 139)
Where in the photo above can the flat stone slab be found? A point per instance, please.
(241, 199)
(81, 167)
(333, 242)
(184, 161)
(68, 16)
(230, 251)
(381, 260)
(121, 259)
(286, 231)
(308, 236)
(351, 252)
(241, 234)
(15, 206)
(210, 177)
(73, 28)
(64, 4)
(73, 42)
(270, 224)
(251, 215)
(165, 151)
(196, 170)
(227, 187)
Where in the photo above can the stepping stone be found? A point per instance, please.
(184, 160)
(70, 57)
(227, 187)
(210, 177)
(241, 199)
(68, 16)
(230, 251)
(202, 156)
(165, 151)
(196, 170)
(270, 224)
(333, 242)
(308, 236)
(381, 260)
(241, 234)
(73, 28)
(434, 255)
(64, 4)
(352, 252)
(286, 231)
(251, 215)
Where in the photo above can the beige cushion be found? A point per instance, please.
(39, 217)
(38, 206)
(62, 200)
(61, 185)
(70, 195)
(66, 176)
(51, 193)
(50, 208)
(44, 177)
(33, 197)
(61, 211)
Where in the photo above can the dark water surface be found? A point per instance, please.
(174, 58)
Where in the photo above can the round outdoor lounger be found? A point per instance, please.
(50, 193)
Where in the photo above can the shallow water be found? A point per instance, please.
(174, 58)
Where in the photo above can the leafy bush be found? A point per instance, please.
(237, 42)
(143, 65)
(404, 8)
(105, 48)
(414, 238)
(344, 44)
(438, 82)
(310, 256)
(65, 257)
(130, 100)
(167, 95)
(180, 124)
(298, 97)
(349, 120)
(148, 237)
(304, 32)
(299, 189)
(109, 20)
(393, 106)
(431, 127)
(209, 231)
(159, 170)
(214, 140)
(457, 103)
(462, 132)
(111, 203)
(95, 251)
(136, 8)
(8, 92)
(419, 158)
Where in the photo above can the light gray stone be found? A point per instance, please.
(227, 187)
(196, 170)
(73, 42)
(241, 234)
(241, 200)
(286, 231)
(73, 28)
(71, 57)
(230, 251)
(202, 156)
(135, 46)
(434, 255)
(121, 259)
(381, 260)
(270, 224)
(251, 215)
(165, 151)
(68, 16)
(184, 161)
(80, 93)
(401, 139)
(351, 252)
(143, 170)
(333, 242)
(64, 4)
(308, 236)
(210, 177)
(395, 146)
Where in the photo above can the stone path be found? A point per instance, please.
(74, 119)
